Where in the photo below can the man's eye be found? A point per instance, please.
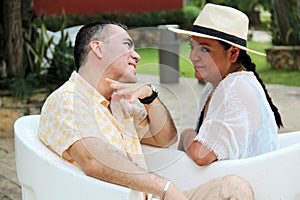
(191, 46)
(128, 44)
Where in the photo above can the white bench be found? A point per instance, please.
(45, 176)
(273, 176)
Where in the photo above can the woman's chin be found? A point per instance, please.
(198, 76)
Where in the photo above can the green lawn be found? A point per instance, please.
(149, 64)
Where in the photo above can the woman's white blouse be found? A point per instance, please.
(239, 122)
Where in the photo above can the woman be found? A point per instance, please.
(237, 117)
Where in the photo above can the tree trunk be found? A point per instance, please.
(254, 17)
(27, 14)
(3, 71)
(282, 15)
(298, 5)
(13, 36)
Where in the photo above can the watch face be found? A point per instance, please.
(153, 88)
(150, 99)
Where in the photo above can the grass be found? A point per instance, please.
(149, 64)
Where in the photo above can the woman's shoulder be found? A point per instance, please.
(242, 75)
(238, 79)
(239, 82)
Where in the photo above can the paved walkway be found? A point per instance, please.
(181, 98)
(9, 186)
(260, 36)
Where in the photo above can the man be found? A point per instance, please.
(95, 119)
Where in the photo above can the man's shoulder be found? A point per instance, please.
(65, 90)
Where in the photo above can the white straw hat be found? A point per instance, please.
(221, 23)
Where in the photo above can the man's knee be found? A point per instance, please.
(235, 188)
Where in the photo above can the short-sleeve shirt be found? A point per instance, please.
(77, 110)
(239, 122)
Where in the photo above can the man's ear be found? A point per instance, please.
(235, 52)
(96, 47)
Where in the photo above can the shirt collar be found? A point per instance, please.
(90, 90)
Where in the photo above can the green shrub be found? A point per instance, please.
(23, 86)
(190, 14)
(182, 17)
(175, 17)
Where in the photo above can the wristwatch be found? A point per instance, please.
(150, 99)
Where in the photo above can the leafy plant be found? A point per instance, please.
(62, 62)
(23, 86)
(40, 68)
(36, 49)
(31, 75)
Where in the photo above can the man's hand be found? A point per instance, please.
(162, 131)
(129, 91)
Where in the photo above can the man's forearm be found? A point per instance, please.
(106, 164)
(163, 131)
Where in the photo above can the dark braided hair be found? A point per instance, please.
(245, 60)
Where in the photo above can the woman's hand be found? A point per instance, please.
(186, 139)
(129, 91)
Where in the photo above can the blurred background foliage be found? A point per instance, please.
(279, 17)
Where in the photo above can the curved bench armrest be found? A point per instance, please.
(45, 176)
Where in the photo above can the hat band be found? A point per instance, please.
(219, 34)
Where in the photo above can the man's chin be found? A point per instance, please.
(127, 79)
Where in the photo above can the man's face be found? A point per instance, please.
(119, 55)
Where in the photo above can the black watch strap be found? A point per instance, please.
(150, 99)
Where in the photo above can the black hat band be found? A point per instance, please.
(219, 34)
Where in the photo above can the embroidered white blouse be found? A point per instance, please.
(239, 122)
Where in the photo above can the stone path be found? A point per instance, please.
(9, 186)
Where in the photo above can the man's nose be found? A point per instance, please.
(135, 56)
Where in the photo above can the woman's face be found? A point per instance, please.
(210, 59)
